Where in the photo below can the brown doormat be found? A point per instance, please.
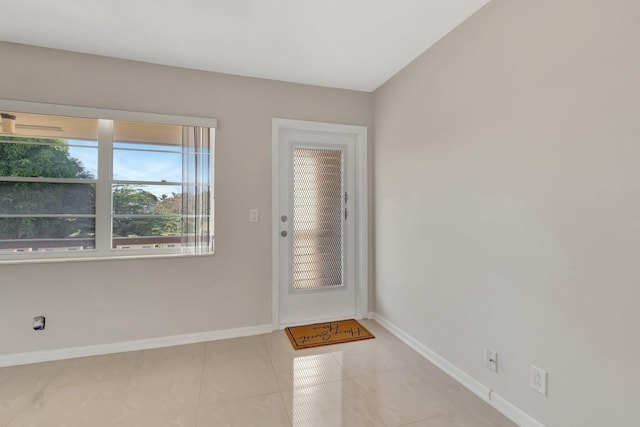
(327, 333)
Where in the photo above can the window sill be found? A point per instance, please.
(8, 261)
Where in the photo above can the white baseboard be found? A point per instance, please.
(119, 347)
(502, 405)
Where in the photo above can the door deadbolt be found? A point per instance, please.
(283, 218)
(283, 233)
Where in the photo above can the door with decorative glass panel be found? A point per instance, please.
(316, 225)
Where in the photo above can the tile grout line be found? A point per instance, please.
(280, 391)
(289, 417)
(204, 361)
(273, 368)
(18, 412)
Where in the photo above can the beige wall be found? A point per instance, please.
(508, 203)
(111, 301)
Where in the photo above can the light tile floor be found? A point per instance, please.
(252, 381)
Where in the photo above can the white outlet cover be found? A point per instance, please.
(254, 215)
(538, 380)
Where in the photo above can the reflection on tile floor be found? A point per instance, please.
(252, 381)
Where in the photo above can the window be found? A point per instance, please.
(75, 187)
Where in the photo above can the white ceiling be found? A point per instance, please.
(352, 44)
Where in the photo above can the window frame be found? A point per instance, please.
(103, 212)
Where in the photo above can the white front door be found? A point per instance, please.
(317, 222)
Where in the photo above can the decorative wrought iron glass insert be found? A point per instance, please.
(318, 226)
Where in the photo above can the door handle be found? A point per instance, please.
(283, 233)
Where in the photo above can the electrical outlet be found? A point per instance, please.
(538, 380)
(491, 360)
(253, 215)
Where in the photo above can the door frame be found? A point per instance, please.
(362, 225)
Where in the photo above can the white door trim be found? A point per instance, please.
(362, 236)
